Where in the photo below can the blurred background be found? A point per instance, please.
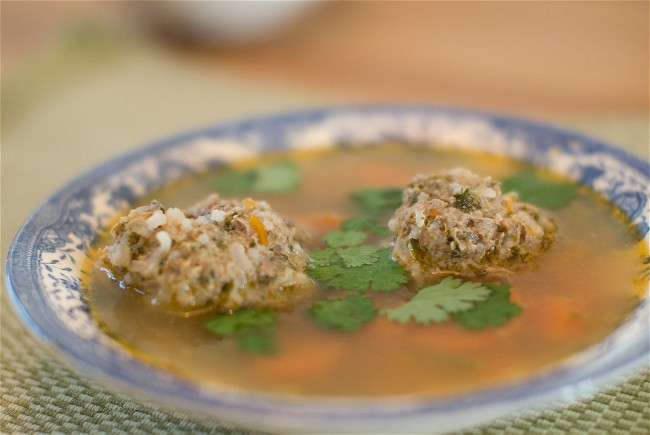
(83, 81)
(532, 57)
(98, 78)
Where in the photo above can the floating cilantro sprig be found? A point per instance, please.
(369, 224)
(343, 239)
(374, 203)
(494, 311)
(347, 264)
(347, 313)
(278, 177)
(436, 303)
(261, 342)
(539, 191)
(473, 305)
(250, 326)
(378, 200)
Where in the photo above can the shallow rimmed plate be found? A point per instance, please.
(44, 263)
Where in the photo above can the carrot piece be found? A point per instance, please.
(305, 361)
(517, 298)
(559, 317)
(258, 226)
(381, 173)
(449, 337)
(248, 203)
(383, 329)
(319, 223)
(507, 201)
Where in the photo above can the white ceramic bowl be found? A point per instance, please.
(226, 22)
(44, 262)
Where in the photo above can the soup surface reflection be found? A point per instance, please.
(570, 298)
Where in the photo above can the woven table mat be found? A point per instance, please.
(39, 394)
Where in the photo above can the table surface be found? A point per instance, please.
(82, 81)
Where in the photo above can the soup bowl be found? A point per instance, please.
(44, 264)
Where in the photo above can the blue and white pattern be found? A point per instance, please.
(45, 260)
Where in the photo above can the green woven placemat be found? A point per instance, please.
(39, 394)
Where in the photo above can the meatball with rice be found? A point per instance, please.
(220, 254)
(457, 222)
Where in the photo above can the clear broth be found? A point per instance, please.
(577, 293)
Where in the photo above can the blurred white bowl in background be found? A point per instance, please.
(226, 22)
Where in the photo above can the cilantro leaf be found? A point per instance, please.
(235, 181)
(340, 239)
(378, 200)
(283, 176)
(323, 257)
(328, 271)
(366, 224)
(259, 343)
(539, 191)
(241, 321)
(437, 302)
(358, 278)
(249, 325)
(387, 275)
(356, 256)
(347, 314)
(382, 274)
(496, 310)
(278, 177)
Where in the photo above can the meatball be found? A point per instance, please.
(219, 254)
(457, 222)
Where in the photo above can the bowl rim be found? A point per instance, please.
(29, 302)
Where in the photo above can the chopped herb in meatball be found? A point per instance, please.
(457, 222)
(219, 254)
